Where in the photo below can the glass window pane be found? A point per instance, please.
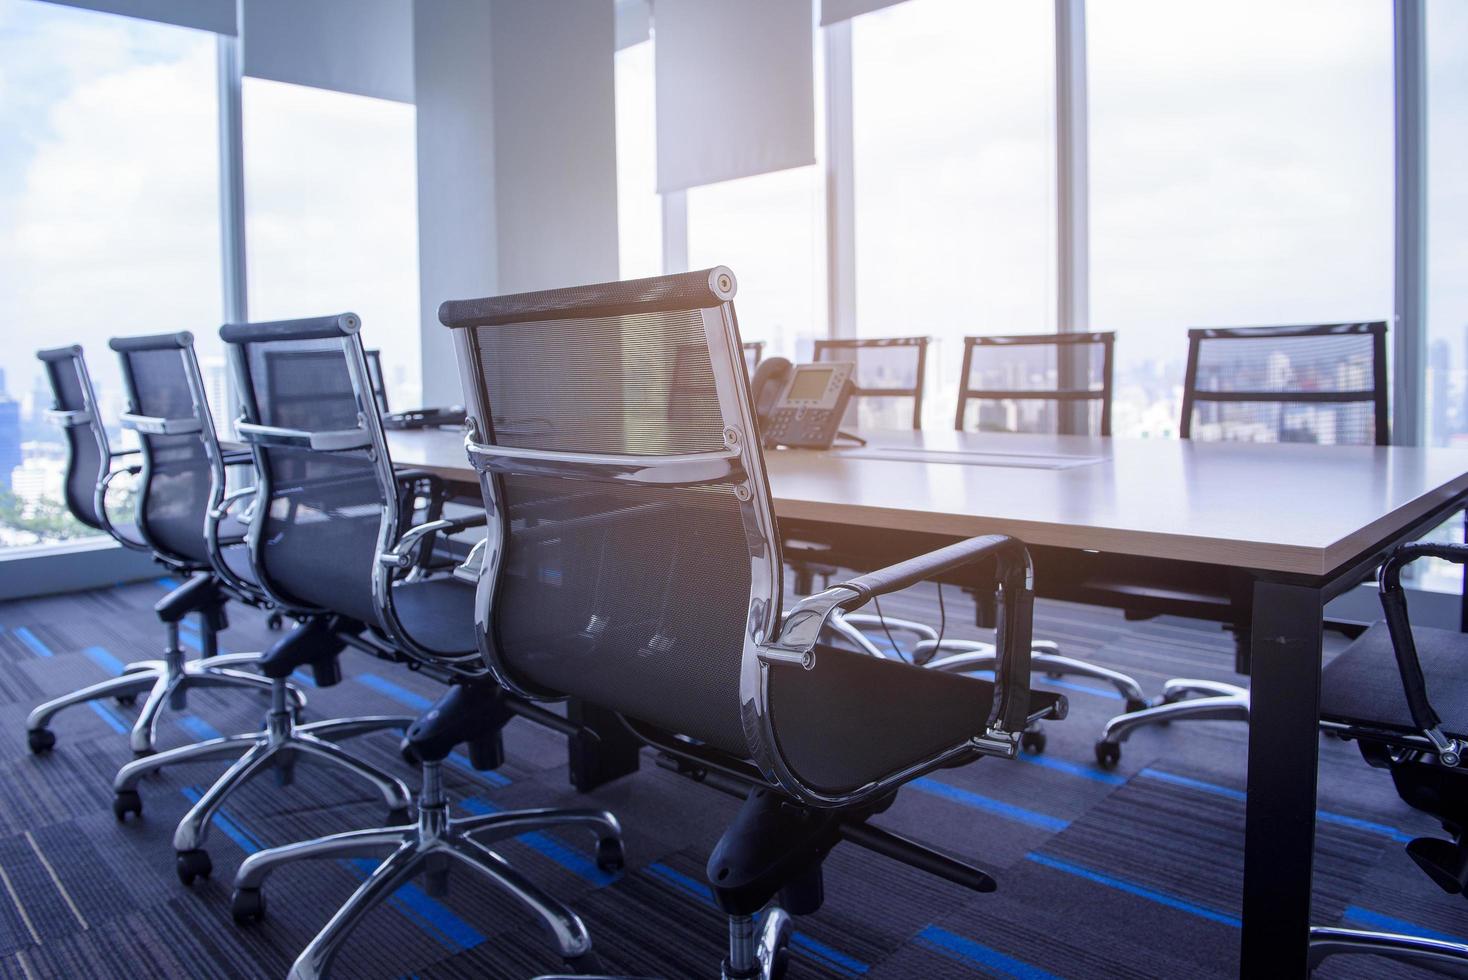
(1241, 174)
(639, 208)
(953, 123)
(770, 229)
(109, 205)
(331, 206)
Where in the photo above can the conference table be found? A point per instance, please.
(1258, 535)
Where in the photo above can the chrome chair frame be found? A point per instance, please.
(433, 838)
(166, 681)
(770, 639)
(282, 737)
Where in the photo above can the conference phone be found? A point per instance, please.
(801, 405)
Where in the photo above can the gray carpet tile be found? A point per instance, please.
(1128, 873)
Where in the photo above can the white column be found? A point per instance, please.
(840, 184)
(1072, 201)
(1409, 340)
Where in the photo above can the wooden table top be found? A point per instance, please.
(1293, 508)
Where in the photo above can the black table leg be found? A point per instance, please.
(1284, 749)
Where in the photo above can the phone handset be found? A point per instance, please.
(770, 378)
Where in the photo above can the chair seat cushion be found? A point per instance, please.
(437, 613)
(1363, 687)
(855, 718)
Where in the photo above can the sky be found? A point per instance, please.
(110, 166)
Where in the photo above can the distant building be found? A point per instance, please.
(10, 456)
(1439, 365)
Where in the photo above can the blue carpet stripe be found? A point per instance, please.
(428, 913)
(1110, 693)
(1073, 769)
(304, 679)
(1340, 819)
(1386, 923)
(1132, 888)
(106, 714)
(799, 942)
(226, 823)
(567, 857)
(399, 694)
(998, 808)
(29, 639)
(970, 953)
(495, 779)
(103, 658)
(198, 727)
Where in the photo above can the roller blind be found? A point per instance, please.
(734, 89)
(360, 46)
(204, 15)
(834, 11)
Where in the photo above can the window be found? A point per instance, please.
(1241, 174)
(953, 111)
(108, 221)
(639, 208)
(331, 205)
(1447, 223)
(770, 229)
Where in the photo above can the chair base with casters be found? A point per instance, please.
(1411, 949)
(1183, 699)
(435, 842)
(277, 745)
(165, 682)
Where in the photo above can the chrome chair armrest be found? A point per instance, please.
(403, 555)
(153, 425)
(221, 510)
(119, 453)
(325, 441)
(468, 570)
(100, 506)
(68, 419)
(1394, 608)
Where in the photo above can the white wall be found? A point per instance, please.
(517, 179)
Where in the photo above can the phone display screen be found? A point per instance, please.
(809, 384)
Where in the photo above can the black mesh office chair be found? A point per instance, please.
(1377, 694)
(378, 380)
(754, 352)
(637, 566)
(182, 477)
(91, 462)
(307, 413)
(890, 371)
(332, 461)
(1321, 384)
(1046, 383)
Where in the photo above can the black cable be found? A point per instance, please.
(881, 618)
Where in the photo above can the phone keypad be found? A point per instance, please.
(799, 427)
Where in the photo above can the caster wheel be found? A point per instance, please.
(125, 802)
(193, 864)
(41, 740)
(247, 905)
(1033, 742)
(609, 854)
(126, 700)
(1108, 754)
(1132, 704)
(780, 965)
(398, 817)
(584, 965)
(274, 621)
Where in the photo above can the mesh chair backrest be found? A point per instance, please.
(88, 457)
(182, 477)
(1042, 383)
(631, 566)
(1323, 384)
(888, 379)
(379, 382)
(754, 352)
(315, 536)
